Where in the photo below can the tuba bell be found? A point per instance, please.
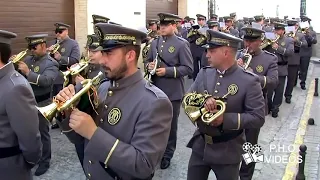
(18, 57)
(193, 106)
(56, 106)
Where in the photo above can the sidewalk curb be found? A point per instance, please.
(291, 167)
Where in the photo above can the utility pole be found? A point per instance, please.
(262, 12)
(277, 11)
(303, 7)
(214, 7)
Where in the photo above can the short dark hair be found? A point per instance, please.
(135, 48)
(5, 52)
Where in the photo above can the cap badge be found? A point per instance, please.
(232, 89)
(249, 32)
(171, 49)
(114, 116)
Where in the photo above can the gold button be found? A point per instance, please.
(105, 106)
(216, 91)
(110, 93)
(218, 83)
(90, 71)
(221, 76)
(90, 162)
(162, 46)
(164, 41)
(117, 84)
(101, 120)
(161, 50)
(17, 74)
(89, 175)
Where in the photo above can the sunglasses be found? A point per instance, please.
(58, 31)
(33, 47)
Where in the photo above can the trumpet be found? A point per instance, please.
(246, 59)
(56, 106)
(54, 48)
(75, 70)
(267, 42)
(18, 57)
(192, 104)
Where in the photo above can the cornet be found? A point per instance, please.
(75, 70)
(54, 48)
(18, 57)
(267, 42)
(246, 59)
(56, 106)
(192, 104)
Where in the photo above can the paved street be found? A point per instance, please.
(276, 131)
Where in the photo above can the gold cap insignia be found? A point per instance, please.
(259, 69)
(232, 89)
(171, 49)
(89, 41)
(249, 32)
(114, 116)
(36, 69)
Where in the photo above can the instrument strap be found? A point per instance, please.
(205, 84)
(158, 40)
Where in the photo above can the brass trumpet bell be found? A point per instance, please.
(52, 109)
(193, 106)
(49, 111)
(19, 56)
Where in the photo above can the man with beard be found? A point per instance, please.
(67, 55)
(128, 137)
(20, 143)
(174, 63)
(40, 70)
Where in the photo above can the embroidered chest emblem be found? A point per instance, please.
(259, 69)
(114, 116)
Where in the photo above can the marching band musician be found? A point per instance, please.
(306, 52)
(153, 26)
(263, 64)
(41, 69)
(91, 71)
(213, 25)
(195, 49)
(218, 146)
(67, 55)
(20, 143)
(174, 62)
(134, 116)
(181, 32)
(229, 27)
(283, 49)
(201, 20)
(213, 17)
(293, 64)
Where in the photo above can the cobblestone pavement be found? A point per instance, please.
(277, 131)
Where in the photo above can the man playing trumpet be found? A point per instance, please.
(134, 116)
(264, 65)
(217, 146)
(40, 70)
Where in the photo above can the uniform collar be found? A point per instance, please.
(229, 70)
(257, 53)
(126, 82)
(39, 58)
(6, 69)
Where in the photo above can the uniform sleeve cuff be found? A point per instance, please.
(33, 78)
(103, 141)
(264, 82)
(174, 72)
(231, 121)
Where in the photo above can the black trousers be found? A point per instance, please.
(196, 67)
(275, 96)
(199, 170)
(292, 80)
(172, 142)
(80, 151)
(45, 139)
(246, 171)
(304, 66)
